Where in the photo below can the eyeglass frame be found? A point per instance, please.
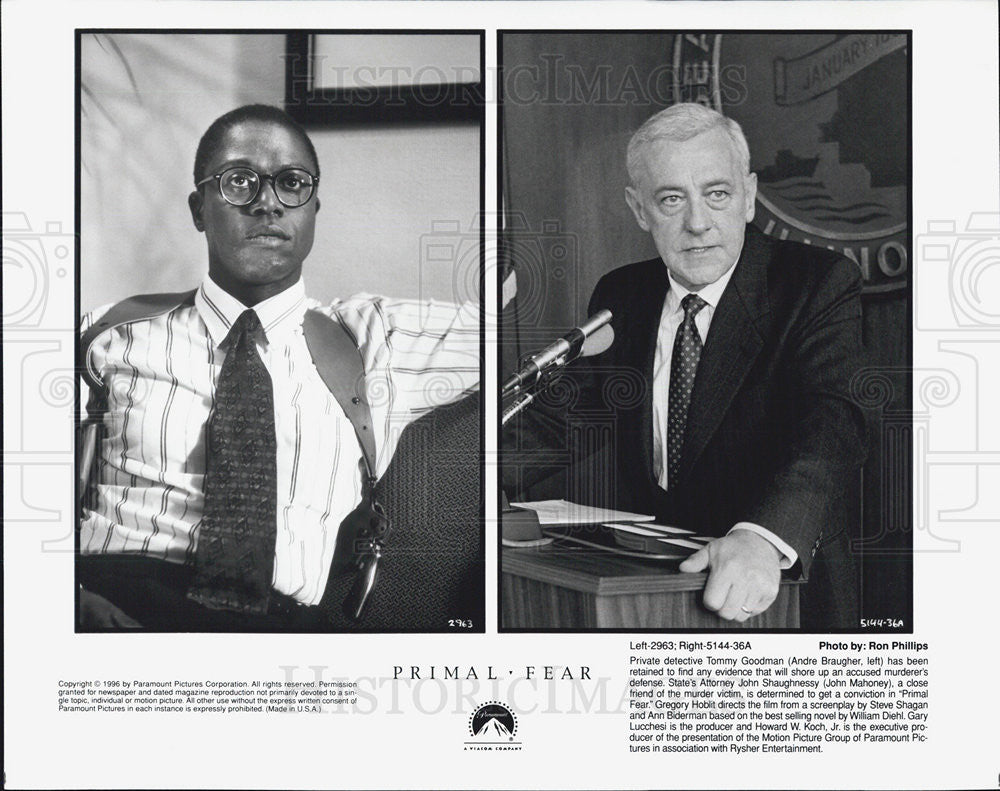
(260, 183)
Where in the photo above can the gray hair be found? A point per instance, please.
(681, 122)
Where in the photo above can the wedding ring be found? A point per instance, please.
(748, 612)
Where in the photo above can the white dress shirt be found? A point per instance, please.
(161, 376)
(671, 318)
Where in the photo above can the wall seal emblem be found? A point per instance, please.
(827, 120)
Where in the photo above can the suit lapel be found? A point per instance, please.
(735, 338)
(641, 351)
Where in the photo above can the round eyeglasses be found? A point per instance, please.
(240, 186)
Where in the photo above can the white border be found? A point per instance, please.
(956, 169)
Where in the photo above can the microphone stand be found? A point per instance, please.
(524, 397)
(520, 403)
(520, 527)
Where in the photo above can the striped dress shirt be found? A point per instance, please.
(161, 375)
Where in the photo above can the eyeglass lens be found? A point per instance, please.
(240, 186)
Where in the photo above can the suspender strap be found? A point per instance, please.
(335, 354)
(338, 360)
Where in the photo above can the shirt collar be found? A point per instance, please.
(711, 293)
(280, 314)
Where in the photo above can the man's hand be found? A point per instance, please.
(96, 612)
(743, 577)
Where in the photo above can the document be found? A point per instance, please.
(649, 529)
(561, 512)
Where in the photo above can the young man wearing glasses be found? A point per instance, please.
(244, 424)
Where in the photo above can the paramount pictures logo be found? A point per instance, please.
(492, 728)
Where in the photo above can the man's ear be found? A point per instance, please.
(317, 205)
(750, 193)
(634, 201)
(196, 204)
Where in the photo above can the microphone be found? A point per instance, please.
(599, 342)
(591, 337)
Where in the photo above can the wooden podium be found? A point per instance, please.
(557, 587)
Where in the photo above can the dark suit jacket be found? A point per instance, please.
(773, 435)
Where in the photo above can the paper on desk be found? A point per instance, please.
(639, 531)
(661, 529)
(563, 512)
(681, 542)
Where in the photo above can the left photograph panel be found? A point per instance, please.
(279, 303)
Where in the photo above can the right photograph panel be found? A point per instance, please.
(706, 406)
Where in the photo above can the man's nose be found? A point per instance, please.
(697, 219)
(267, 201)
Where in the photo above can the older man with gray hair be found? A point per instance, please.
(747, 431)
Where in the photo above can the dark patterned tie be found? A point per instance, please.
(234, 561)
(683, 366)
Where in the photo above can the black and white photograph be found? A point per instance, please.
(280, 335)
(724, 217)
(553, 394)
